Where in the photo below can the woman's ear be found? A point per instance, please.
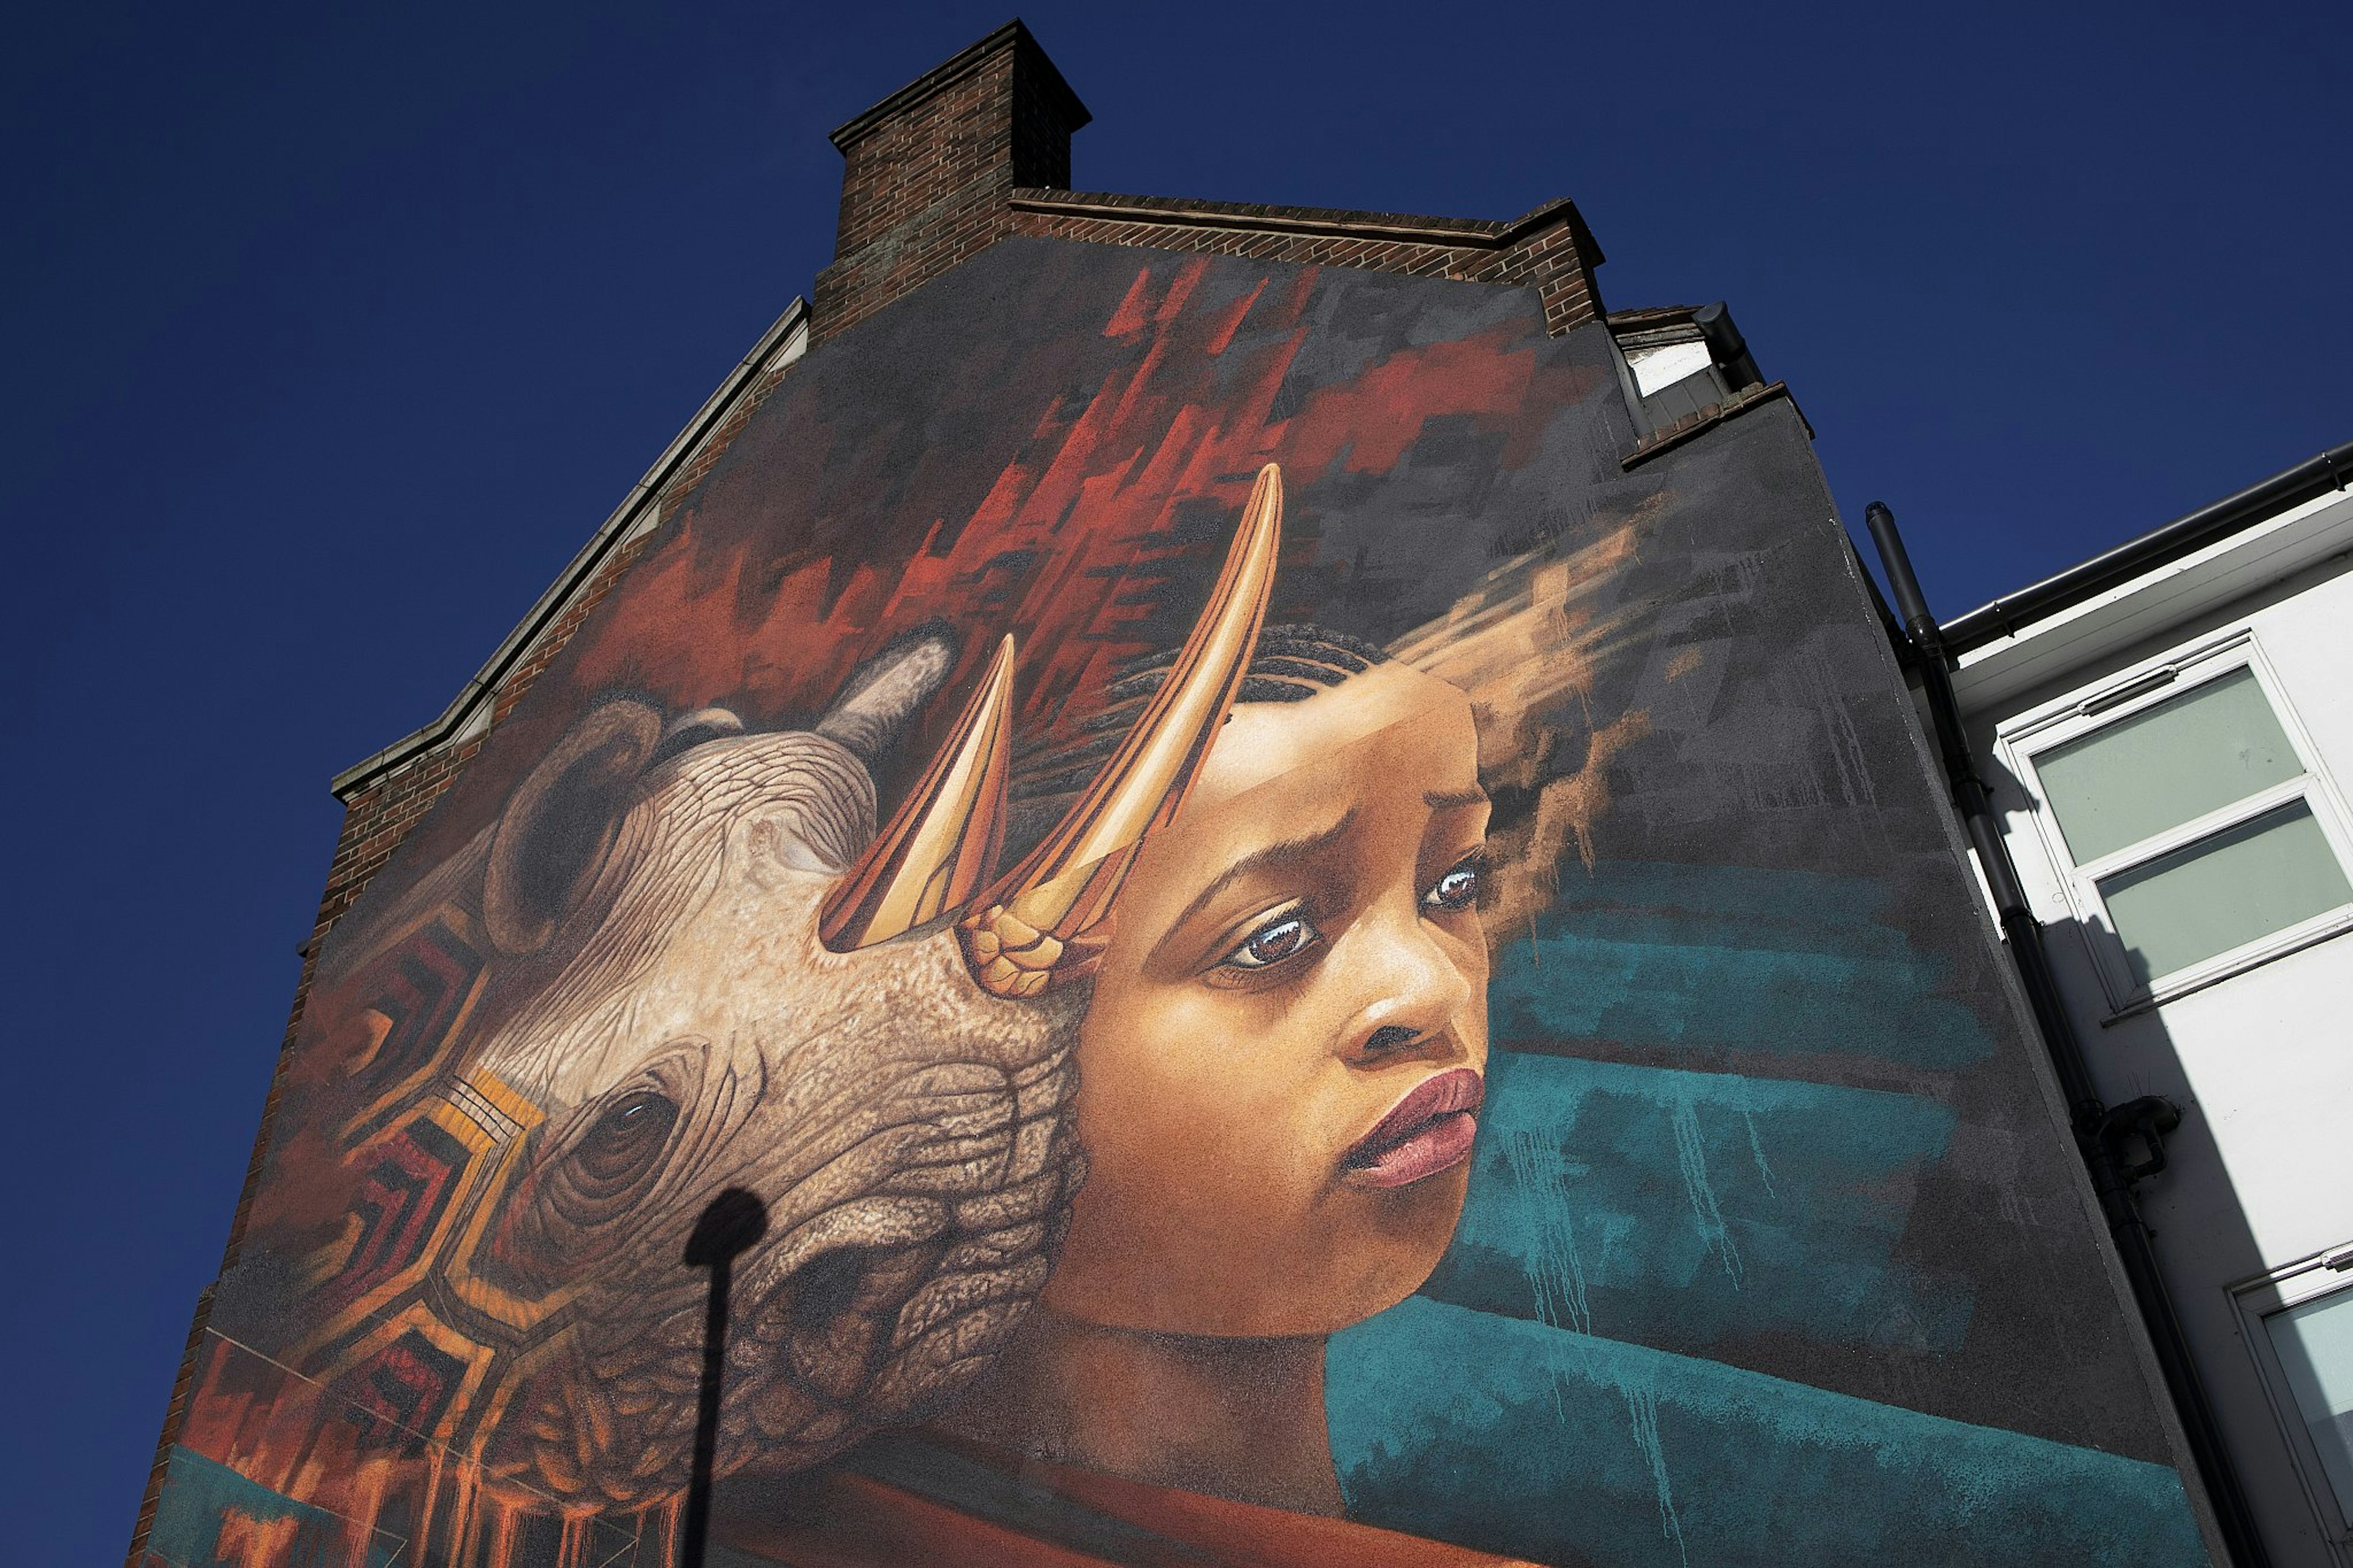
(559, 825)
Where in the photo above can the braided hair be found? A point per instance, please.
(1289, 664)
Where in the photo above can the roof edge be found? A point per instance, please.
(1698, 423)
(471, 703)
(1472, 234)
(2315, 476)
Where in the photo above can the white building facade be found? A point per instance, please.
(2168, 734)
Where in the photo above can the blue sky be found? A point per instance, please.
(331, 331)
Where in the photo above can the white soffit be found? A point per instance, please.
(1664, 365)
(2052, 648)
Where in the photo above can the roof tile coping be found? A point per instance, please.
(1647, 316)
(1700, 421)
(1470, 234)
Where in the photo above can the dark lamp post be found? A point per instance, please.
(734, 1222)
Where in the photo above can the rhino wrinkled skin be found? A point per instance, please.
(662, 997)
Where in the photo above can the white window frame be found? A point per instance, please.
(2307, 1280)
(2134, 690)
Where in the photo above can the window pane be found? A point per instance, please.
(2247, 881)
(2206, 748)
(2314, 1346)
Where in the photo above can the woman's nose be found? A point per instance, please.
(1412, 991)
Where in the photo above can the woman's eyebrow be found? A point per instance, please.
(1455, 801)
(1257, 860)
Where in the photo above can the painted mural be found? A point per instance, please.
(1283, 963)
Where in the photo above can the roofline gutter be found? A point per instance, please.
(643, 496)
(2331, 470)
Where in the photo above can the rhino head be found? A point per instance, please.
(710, 972)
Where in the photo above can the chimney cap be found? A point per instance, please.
(1012, 36)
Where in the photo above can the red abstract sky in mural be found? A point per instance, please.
(1071, 534)
(1117, 504)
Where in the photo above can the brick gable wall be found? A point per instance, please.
(970, 152)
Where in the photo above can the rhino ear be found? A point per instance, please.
(559, 823)
(888, 690)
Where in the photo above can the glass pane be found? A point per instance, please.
(2204, 749)
(2314, 1346)
(2245, 882)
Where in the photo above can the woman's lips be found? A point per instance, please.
(1428, 1132)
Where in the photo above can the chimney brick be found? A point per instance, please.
(929, 168)
(979, 148)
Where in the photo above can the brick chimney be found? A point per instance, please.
(928, 170)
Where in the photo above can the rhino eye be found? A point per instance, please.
(626, 1140)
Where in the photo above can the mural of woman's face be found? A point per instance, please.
(1289, 1031)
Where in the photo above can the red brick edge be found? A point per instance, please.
(1549, 249)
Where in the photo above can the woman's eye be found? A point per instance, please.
(1455, 891)
(1287, 936)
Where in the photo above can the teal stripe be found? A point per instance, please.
(201, 1496)
(1683, 1209)
(1518, 1438)
(1787, 963)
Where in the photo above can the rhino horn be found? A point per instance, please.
(935, 854)
(1018, 938)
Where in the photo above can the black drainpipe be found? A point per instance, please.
(2102, 1134)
